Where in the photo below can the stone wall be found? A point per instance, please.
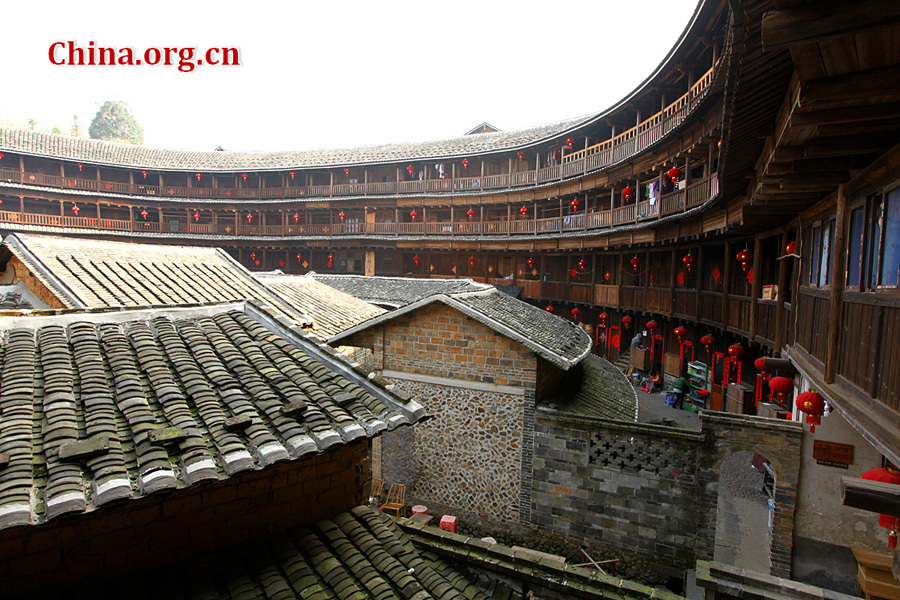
(653, 489)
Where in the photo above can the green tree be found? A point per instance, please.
(76, 128)
(115, 123)
(32, 123)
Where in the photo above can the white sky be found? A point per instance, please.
(336, 74)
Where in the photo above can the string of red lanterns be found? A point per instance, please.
(521, 155)
(688, 261)
(523, 211)
(575, 203)
(341, 216)
(330, 262)
(465, 163)
(296, 217)
(196, 217)
(144, 214)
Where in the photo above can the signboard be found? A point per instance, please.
(832, 454)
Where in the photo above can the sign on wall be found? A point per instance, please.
(832, 454)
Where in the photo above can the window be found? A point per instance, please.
(814, 261)
(825, 256)
(890, 247)
(854, 249)
(873, 254)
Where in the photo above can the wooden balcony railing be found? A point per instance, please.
(226, 224)
(623, 146)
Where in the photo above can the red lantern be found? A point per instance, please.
(570, 142)
(470, 213)
(575, 314)
(197, 175)
(144, 214)
(243, 175)
(627, 192)
(347, 172)
(745, 257)
(549, 309)
(196, 217)
(581, 265)
(781, 388)
(296, 217)
(680, 332)
(144, 173)
(760, 364)
(292, 175)
(521, 155)
(257, 263)
(719, 145)
(603, 318)
(627, 321)
(651, 326)
(465, 163)
(889, 474)
(575, 203)
(330, 262)
(813, 404)
(341, 216)
(636, 263)
(471, 261)
(674, 173)
(1, 155)
(708, 342)
(410, 169)
(688, 261)
(736, 351)
(75, 209)
(250, 218)
(530, 263)
(574, 272)
(523, 211)
(80, 166)
(791, 248)
(413, 214)
(299, 257)
(253, 256)
(416, 259)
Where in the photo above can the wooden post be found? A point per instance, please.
(755, 288)
(726, 285)
(782, 287)
(838, 270)
(672, 277)
(696, 314)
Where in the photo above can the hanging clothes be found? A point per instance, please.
(441, 172)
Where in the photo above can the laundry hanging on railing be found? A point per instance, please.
(441, 170)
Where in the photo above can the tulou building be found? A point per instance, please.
(739, 210)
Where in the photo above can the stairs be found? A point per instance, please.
(624, 360)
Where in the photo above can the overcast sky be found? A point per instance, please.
(335, 74)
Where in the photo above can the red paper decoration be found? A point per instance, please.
(341, 216)
(813, 404)
(607, 275)
(889, 474)
(628, 192)
(627, 321)
(413, 214)
(680, 332)
(636, 263)
(716, 274)
(144, 214)
(574, 272)
(280, 263)
(603, 318)
(708, 342)
(674, 173)
(575, 314)
(688, 261)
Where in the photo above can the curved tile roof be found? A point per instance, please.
(595, 388)
(96, 408)
(116, 154)
(395, 291)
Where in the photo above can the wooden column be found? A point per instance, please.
(726, 285)
(672, 278)
(838, 275)
(783, 266)
(755, 288)
(699, 284)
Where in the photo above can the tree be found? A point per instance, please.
(115, 123)
(76, 128)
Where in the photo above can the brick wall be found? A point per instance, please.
(22, 273)
(171, 526)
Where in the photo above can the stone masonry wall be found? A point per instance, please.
(620, 485)
(175, 525)
(465, 461)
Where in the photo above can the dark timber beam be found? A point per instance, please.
(853, 114)
(811, 23)
(860, 85)
(873, 496)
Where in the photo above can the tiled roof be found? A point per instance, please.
(395, 292)
(17, 296)
(139, 157)
(96, 273)
(332, 310)
(557, 340)
(595, 388)
(96, 407)
(357, 555)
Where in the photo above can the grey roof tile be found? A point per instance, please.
(395, 292)
(595, 388)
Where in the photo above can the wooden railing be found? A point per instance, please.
(226, 224)
(621, 147)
